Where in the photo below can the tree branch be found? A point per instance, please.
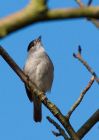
(53, 109)
(94, 21)
(34, 90)
(28, 15)
(88, 125)
(39, 12)
(79, 57)
(79, 100)
(81, 3)
(59, 128)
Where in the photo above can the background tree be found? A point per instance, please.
(70, 77)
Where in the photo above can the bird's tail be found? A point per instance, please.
(37, 110)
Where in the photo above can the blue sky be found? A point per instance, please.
(60, 39)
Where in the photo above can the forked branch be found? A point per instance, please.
(59, 128)
(94, 21)
(80, 58)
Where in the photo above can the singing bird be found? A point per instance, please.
(40, 70)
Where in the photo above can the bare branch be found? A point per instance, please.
(94, 21)
(79, 3)
(52, 107)
(79, 100)
(79, 57)
(59, 128)
(56, 134)
(88, 125)
(13, 65)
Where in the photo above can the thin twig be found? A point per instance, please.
(35, 91)
(59, 128)
(79, 3)
(79, 100)
(94, 21)
(56, 134)
(82, 5)
(79, 57)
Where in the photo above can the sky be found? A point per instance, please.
(60, 39)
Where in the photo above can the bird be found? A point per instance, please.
(40, 70)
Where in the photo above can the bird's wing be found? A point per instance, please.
(29, 94)
(30, 71)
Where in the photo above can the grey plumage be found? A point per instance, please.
(39, 68)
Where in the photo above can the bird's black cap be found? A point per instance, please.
(33, 43)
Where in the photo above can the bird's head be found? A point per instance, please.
(35, 44)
